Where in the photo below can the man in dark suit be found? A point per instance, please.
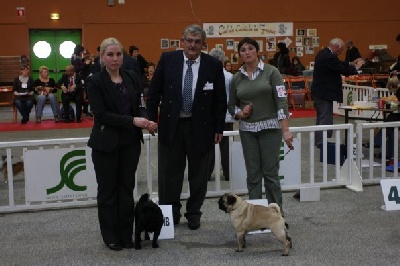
(72, 90)
(191, 88)
(352, 52)
(327, 82)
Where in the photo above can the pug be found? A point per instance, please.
(247, 217)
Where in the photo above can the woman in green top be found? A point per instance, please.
(258, 100)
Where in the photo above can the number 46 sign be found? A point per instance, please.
(390, 191)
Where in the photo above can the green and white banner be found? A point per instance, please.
(59, 174)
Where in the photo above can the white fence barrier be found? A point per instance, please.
(352, 93)
(374, 169)
(71, 167)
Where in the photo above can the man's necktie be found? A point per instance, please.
(187, 88)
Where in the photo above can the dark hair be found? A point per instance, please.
(296, 58)
(227, 62)
(78, 49)
(248, 41)
(132, 48)
(149, 64)
(398, 38)
(282, 47)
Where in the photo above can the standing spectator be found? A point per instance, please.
(224, 144)
(191, 86)
(81, 67)
(134, 52)
(72, 90)
(282, 59)
(258, 90)
(115, 142)
(96, 65)
(352, 52)
(327, 82)
(130, 63)
(46, 90)
(147, 78)
(24, 89)
(228, 66)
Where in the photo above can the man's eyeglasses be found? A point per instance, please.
(195, 41)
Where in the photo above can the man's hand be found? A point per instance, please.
(218, 138)
(64, 89)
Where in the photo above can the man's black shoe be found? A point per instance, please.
(194, 224)
(115, 247)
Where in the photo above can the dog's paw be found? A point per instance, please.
(283, 254)
(239, 250)
(155, 245)
(138, 246)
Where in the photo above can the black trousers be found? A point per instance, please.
(115, 175)
(324, 117)
(77, 97)
(171, 168)
(224, 149)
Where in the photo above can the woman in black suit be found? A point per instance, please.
(115, 141)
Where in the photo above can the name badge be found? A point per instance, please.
(208, 86)
(24, 85)
(281, 90)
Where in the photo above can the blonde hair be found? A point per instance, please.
(107, 42)
(43, 68)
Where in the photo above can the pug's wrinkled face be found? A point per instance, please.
(227, 202)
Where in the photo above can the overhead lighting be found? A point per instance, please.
(54, 16)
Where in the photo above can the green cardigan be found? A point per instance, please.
(266, 92)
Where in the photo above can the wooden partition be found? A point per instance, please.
(144, 23)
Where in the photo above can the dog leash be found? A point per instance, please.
(269, 171)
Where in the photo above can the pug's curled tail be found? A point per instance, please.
(276, 207)
(144, 198)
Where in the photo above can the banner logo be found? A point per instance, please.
(76, 163)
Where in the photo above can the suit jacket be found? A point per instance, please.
(108, 122)
(327, 80)
(352, 54)
(130, 63)
(64, 80)
(209, 106)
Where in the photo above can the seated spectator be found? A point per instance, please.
(395, 68)
(23, 90)
(72, 90)
(296, 68)
(46, 89)
(392, 117)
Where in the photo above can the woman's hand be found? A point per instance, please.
(288, 138)
(246, 112)
(152, 128)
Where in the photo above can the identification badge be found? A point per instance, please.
(281, 90)
(24, 85)
(208, 86)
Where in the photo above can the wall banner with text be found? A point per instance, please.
(222, 30)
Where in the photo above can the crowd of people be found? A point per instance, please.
(71, 87)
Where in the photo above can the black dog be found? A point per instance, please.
(148, 218)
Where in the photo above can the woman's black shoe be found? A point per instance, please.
(115, 247)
